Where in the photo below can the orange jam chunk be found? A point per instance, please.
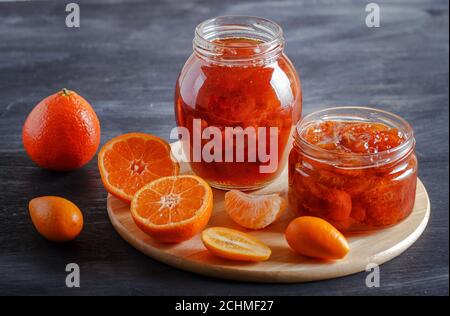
(353, 197)
(353, 137)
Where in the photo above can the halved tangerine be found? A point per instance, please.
(173, 209)
(254, 211)
(130, 161)
(234, 245)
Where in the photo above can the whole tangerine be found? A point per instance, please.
(62, 132)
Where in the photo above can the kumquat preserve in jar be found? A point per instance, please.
(354, 167)
(237, 100)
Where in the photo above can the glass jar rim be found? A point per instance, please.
(267, 32)
(344, 113)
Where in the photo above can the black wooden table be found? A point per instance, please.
(125, 58)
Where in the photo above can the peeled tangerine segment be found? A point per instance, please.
(234, 245)
(254, 211)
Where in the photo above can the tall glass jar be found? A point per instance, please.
(353, 166)
(239, 97)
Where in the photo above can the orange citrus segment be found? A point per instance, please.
(254, 211)
(234, 245)
(130, 161)
(173, 209)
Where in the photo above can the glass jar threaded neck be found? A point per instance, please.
(263, 43)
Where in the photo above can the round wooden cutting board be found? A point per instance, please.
(284, 265)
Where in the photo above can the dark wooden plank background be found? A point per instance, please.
(125, 59)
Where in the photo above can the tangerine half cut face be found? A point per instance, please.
(130, 161)
(173, 209)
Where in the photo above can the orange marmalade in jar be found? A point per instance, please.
(354, 167)
(238, 97)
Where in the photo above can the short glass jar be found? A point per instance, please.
(239, 81)
(354, 167)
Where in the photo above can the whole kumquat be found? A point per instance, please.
(56, 218)
(315, 237)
